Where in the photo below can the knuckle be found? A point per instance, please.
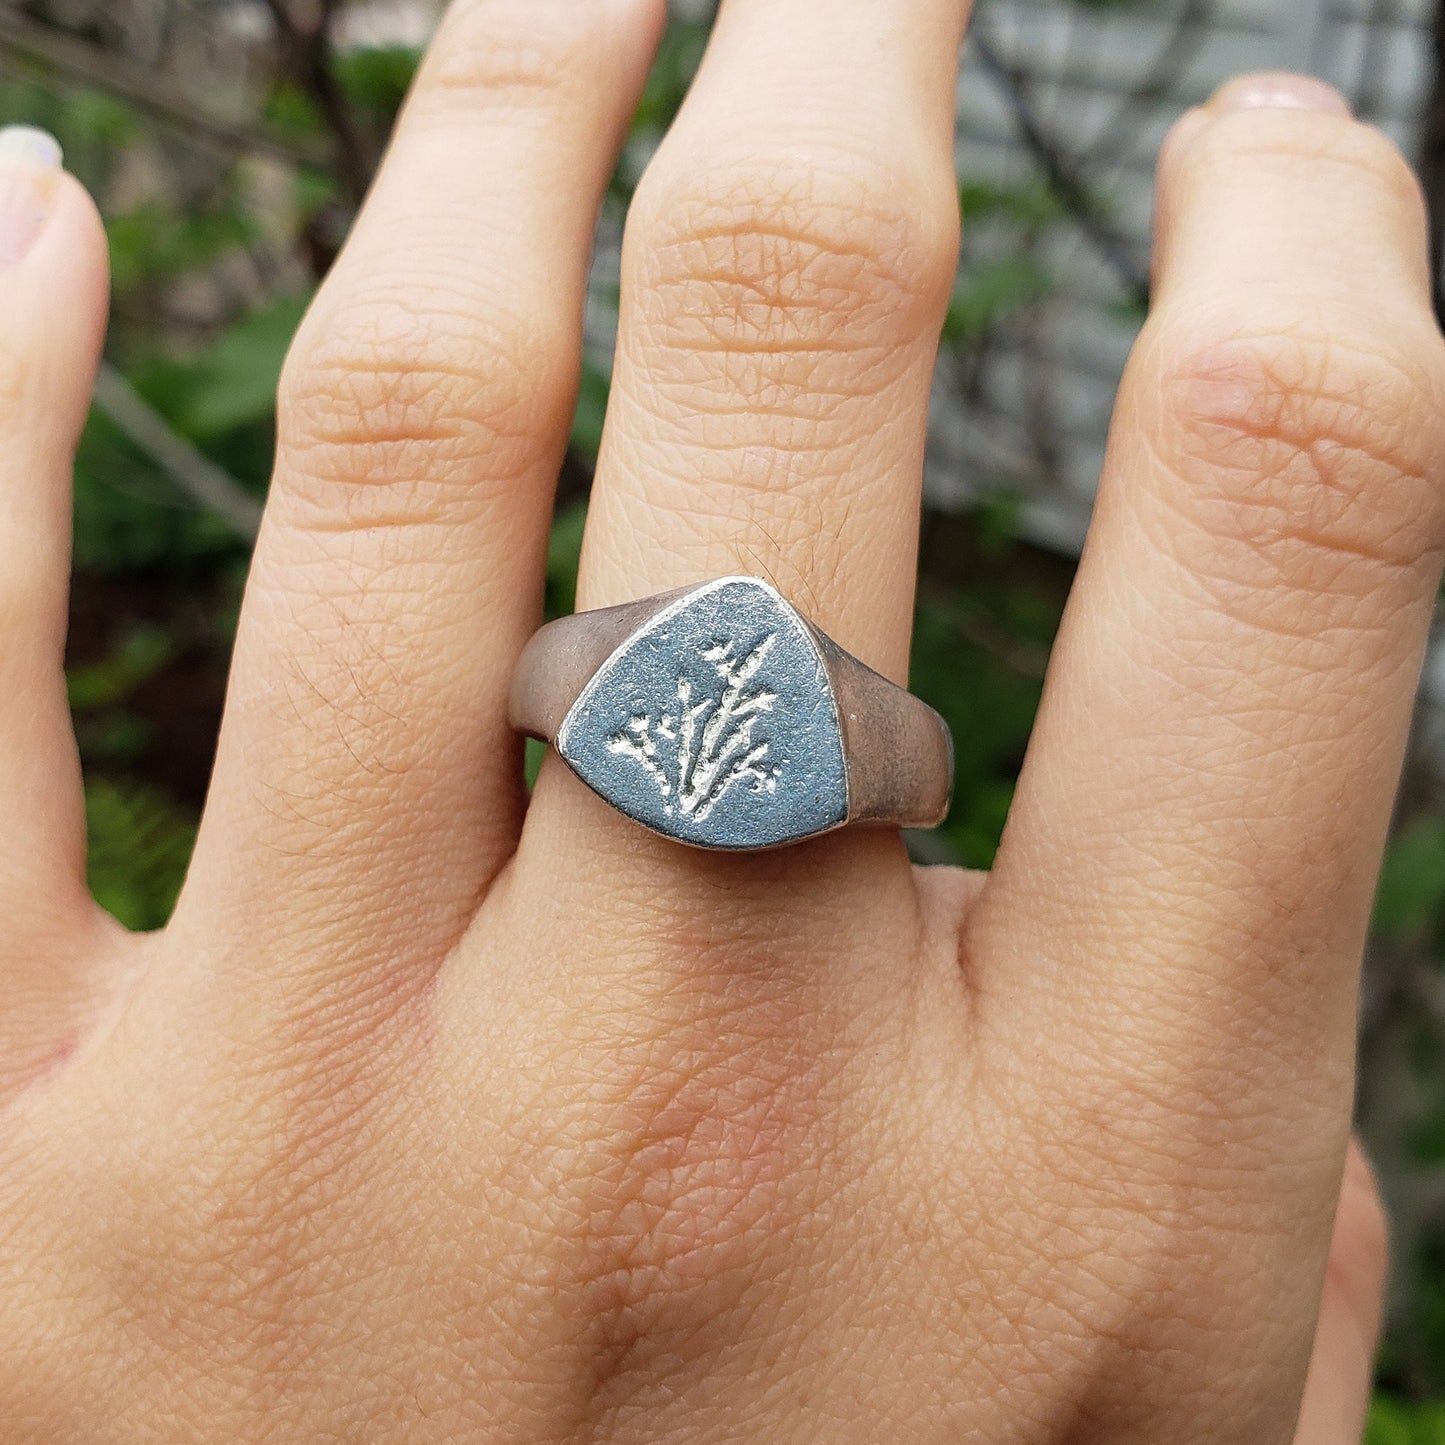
(1345, 151)
(379, 394)
(509, 51)
(757, 253)
(1302, 457)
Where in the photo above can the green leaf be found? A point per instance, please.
(678, 58)
(1030, 203)
(532, 761)
(978, 658)
(151, 245)
(140, 847)
(993, 290)
(128, 515)
(1393, 1422)
(1427, 1140)
(1411, 900)
(234, 383)
(377, 79)
(1000, 516)
(291, 112)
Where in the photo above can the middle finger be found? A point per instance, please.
(367, 774)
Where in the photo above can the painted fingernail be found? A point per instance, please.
(30, 162)
(1279, 90)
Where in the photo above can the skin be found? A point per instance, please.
(437, 1117)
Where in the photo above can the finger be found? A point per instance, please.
(1337, 1393)
(785, 272)
(367, 772)
(787, 265)
(1193, 849)
(53, 291)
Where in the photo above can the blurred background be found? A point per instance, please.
(229, 142)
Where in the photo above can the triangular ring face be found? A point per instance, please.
(715, 723)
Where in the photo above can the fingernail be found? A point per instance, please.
(30, 162)
(1279, 90)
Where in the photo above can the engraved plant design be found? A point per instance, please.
(703, 750)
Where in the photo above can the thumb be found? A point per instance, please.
(53, 293)
(1337, 1391)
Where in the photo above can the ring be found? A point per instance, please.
(720, 717)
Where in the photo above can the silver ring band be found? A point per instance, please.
(720, 717)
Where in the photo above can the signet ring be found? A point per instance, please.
(719, 716)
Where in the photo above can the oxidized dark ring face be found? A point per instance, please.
(715, 723)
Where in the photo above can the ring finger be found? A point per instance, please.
(786, 269)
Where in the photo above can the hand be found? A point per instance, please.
(436, 1117)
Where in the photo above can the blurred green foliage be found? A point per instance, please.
(159, 577)
(1410, 906)
(1395, 1423)
(140, 844)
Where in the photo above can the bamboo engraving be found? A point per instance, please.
(699, 753)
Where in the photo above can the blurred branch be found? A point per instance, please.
(210, 486)
(1374, 72)
(1060, 172)
(1162, 79)
(306, 53)
(88, 65)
